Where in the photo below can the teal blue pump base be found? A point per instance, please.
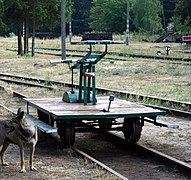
(73, 97)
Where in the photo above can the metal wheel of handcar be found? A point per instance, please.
(105, 124)
(132, 130)
(66, 131)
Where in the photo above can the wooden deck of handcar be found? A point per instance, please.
(119, 108)
(73, 117)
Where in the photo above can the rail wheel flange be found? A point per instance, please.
(132, 130)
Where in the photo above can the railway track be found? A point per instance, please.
(128, 160)
(182, 108)
(126, 55)
(141, 153)
(118, 56)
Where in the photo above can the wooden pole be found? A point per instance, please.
(63, 30)
(127, 27)
(33, 27)
(70, 22)
(163, 15)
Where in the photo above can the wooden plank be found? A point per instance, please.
(97, 36)
(41, 125)
(118, 108)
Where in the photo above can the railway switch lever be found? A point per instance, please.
(111, 98)
(167, 50)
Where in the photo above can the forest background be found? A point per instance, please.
(148, 17)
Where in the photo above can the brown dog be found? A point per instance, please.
(21, 132)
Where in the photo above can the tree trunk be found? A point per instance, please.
(33, 28)
(19, 32)
(63, 29)
(26, 32)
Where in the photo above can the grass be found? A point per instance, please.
(135, 75)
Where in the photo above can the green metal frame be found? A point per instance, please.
(87, 65)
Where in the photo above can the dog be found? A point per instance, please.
(21, 132)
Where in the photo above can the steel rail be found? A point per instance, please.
(181, 164)
(122, 94)
(172, 59)
(127, 55)
(173, 160)
(171, 111)
(180, 61)
(81, 153)
(99, 163)
(26, 83)
(15, 93)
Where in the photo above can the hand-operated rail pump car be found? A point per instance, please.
(81, 109)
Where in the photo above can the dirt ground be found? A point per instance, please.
(174, 142)
(51, 162)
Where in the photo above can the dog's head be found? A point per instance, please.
(19, 118)
(24, 128)
(15, 122)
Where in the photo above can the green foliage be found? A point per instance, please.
(182, 17)
(168, 10)
(80, 16)
(48, 83)
(2, 25)
(108, 16)
(48, 12)
(146, 15)
(1, 8)
(29, 54)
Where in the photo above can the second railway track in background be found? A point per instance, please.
(118, 56)
(129, 157)
(123, 55)
(184, 108)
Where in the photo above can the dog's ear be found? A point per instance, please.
(18, 111)
(20, 115)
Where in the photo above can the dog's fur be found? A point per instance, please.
(21, 132)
